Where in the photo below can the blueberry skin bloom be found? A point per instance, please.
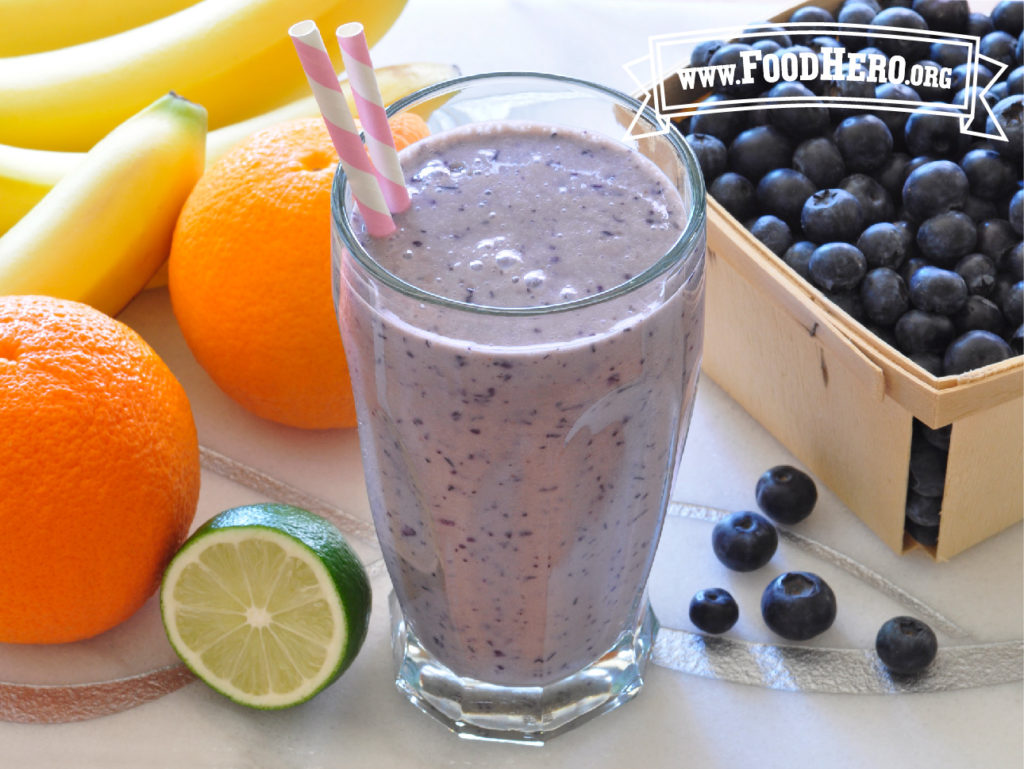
(831, 215)
(744, 541)
(933, 289)
(786, 494)
(837, 266)
(798, 605)
(714, 610)
(906, 645)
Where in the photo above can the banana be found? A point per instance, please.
(26, 175)
(232, 56)
(105, 228)
(42, 25)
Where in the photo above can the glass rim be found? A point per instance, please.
(677, 253)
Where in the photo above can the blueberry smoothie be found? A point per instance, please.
(521, 419)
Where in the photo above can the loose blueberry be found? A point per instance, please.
(923, 332)
(758, 150)
(1008, 16)
(924, 511)
(808, 119)
(708, 119)
(933, 289)
(773, 232)
(979, 24)
(974, 350)
(934, 188)
(928, 132)
(820, 161)
(927, 469)
(837, 266)
(1016, 212)
(1012, 304)
(832, 215)
(999, 45)
(883, 245)
(731, 54)
(786, 494)
(744, 541)
(892, 174)
(906, 645)
(783, 192)
(946, 238)
(864, 141)
(995, 238)
(703, 52)
(989, 175)
(714, 610)
(944, 15)
(798, 256)
(978, 272)
(1008, 114)
(710, 152)
(884, 296)
(798, 605)
(926, 535)
(937, 437)
(896, 121)
(736, 194)
(981, 314)
(875, 203)
(892, 45)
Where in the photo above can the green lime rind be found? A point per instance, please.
(319, 544)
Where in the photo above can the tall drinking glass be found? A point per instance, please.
(524, 354)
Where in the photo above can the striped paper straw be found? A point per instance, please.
(370, 105)
(323, 80)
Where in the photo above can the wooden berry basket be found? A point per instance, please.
(844, 402)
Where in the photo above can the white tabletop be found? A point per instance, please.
(689, 713)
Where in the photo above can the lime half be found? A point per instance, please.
(267, 604)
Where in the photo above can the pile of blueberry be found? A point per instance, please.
(796, 605)
(907, 224)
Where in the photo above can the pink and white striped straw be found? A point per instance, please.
(323, 81)
(370, 106)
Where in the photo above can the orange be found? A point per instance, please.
(250, 277)
(99, 466)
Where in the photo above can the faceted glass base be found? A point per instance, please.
(474, 709)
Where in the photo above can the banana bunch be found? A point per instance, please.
(26, 175)
(232, 56)
(105, 228)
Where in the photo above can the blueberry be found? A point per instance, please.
(814, 14)
(944, 15)
(731, 54)
(912, 265)
(864, 141)
(837, 266)
(979, 210)
(713, 610)
(808, 119)
(710, 152)
(934, 188)
(911, 50)
(703, 52)
(855, 13)
(933, 89)
(1016, 212)
(999, 46)
(974, 350)
(783, 192)
(979, 313)
(798, 605)
(906, 645)
(896, 121)
(1008, 16)
(927, 469)
(820, 161)
(875, 203)
(884, 296)
(963, 75)
(946, 238)
(989, 175)
(786, 494)
(758, 150)
(735, 193)
(892, 174)
(923, 511)
(929, 361)
(926, 535)
(846, 89)
(725, 126)
(932, 133)
(1016, 340)
(948, 55)
(979, 24)
(995, 238)
(918, 331)
(978, 272)
(934, 289)
(1013, 261)
(847, 300)
(1012, 303)
(938, 437)
(744, 541)
(1014, 81)
(766, 46)
(832, 215)
(773, 232)
(883, 245)
(1008, 113)
(798, 256)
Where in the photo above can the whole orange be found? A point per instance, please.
(99, 466)
(250, 277)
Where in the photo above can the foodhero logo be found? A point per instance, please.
(829, 65)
